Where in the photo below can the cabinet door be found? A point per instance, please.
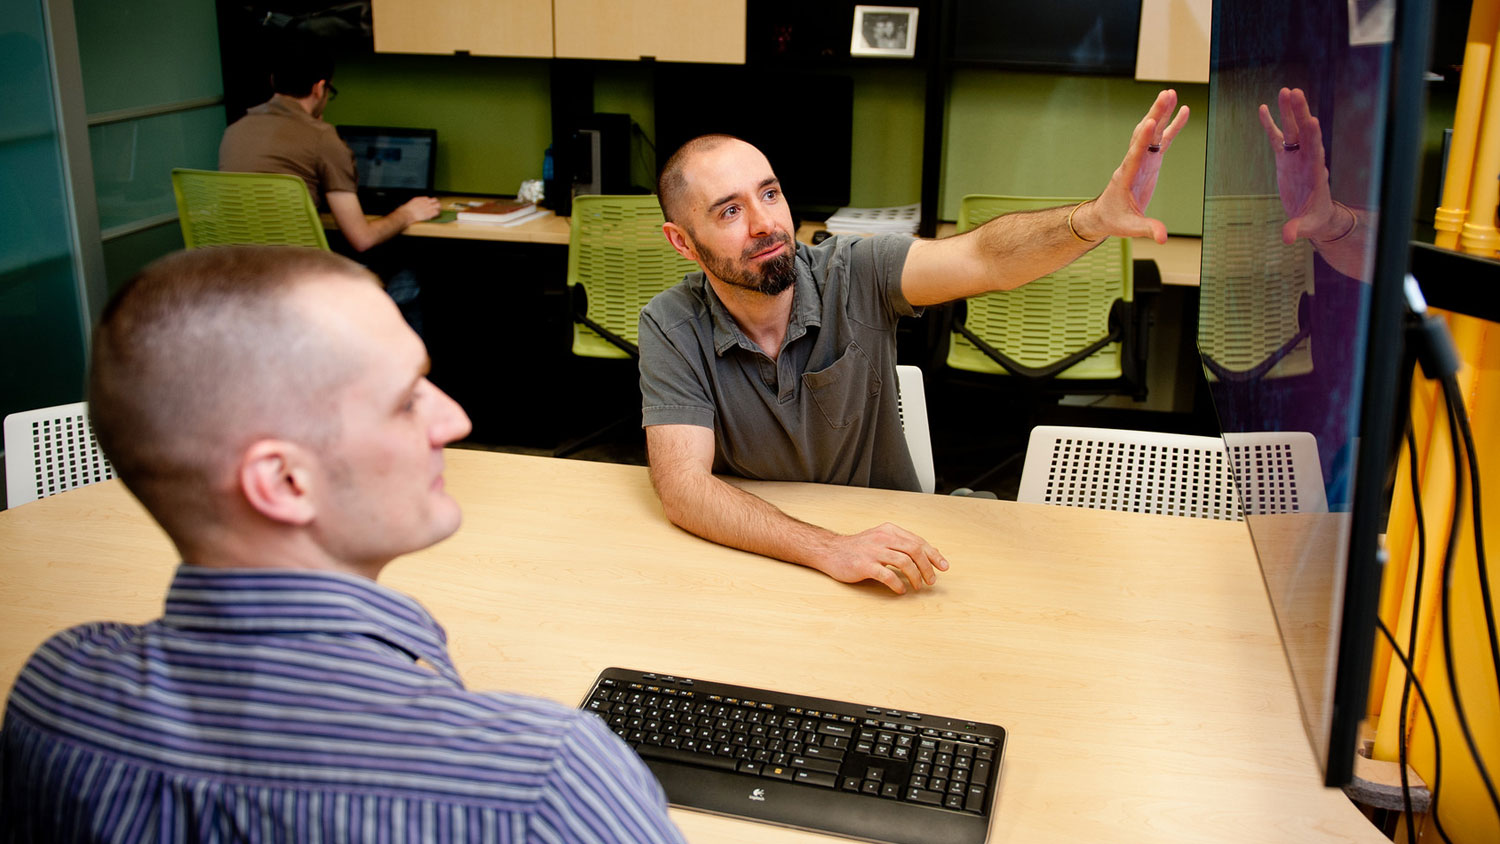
(667, 30)
(478, 27)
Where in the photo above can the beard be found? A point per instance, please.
(770, 278)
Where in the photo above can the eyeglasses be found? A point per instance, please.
(333, 93)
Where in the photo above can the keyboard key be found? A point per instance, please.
(777, 772)
(870, 787)
(953, 801)
(748, 767)
(917, 795)
(831, 729)
(975, 800)
(817, 778)
(669, 754)
(811, 764)
(890, 790)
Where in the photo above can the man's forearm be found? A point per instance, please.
(720, 512)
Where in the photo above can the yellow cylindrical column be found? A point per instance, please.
(1484, 20)
(1479, 235)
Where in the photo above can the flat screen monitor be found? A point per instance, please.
(1070, 36)
(1301, 343)
(806, 131)
(388, 157)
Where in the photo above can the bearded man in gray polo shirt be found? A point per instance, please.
(777, 361)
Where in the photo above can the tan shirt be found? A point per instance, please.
(279, 136)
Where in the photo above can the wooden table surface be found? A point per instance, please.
(1133, 658)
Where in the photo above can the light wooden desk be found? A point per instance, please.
(548, 229)
(1133, 658)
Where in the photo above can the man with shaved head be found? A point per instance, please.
(270, 408)
(777, 361)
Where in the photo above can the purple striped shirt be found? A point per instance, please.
(299, 706)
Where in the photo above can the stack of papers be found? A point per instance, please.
(898, 219)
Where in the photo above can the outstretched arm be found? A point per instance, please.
(1013, 249)
(364, 233)
(681, 458)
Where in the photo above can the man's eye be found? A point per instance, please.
(731, 211)
(772, 194)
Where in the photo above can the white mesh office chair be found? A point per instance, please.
(51, 450)
(911, 400)
(1172, 474)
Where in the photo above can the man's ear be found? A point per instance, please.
(277, 478)
(678, 237)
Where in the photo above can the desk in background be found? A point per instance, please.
(1133, 658)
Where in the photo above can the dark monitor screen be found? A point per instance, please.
(806, 132)
(1080, 36)
(1300, 340)
(391, 157)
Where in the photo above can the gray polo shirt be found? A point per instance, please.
(825, 410)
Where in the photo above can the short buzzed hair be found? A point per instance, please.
(200, 355)
(672, 183)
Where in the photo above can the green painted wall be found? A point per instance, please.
(493, 116)
(1034, 134)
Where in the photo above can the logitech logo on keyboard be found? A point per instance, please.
(758, 795)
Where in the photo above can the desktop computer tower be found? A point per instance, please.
(600, 155)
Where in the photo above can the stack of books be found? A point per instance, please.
(503, 211)
(899, 219)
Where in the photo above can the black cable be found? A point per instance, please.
(1421, 522)
(1437, 747)
(1479, 558)
(1455, 409)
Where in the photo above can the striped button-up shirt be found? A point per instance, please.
(305, 707)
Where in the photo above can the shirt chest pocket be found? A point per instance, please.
(844, 389)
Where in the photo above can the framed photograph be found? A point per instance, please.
(884, 31)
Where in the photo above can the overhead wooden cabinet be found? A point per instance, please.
(666, 30)
(477, 27)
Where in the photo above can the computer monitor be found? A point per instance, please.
(393, 163)
(1297, 339)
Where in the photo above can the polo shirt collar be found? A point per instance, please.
(807, 309)
(287, 106)
(290, 602)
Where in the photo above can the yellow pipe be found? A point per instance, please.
(1484, 19)
(1479, 234)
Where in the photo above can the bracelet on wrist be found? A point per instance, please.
(1074, 230)
(1353, 224)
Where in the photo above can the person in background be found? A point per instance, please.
(287, 134)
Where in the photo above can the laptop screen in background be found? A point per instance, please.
(392, 158)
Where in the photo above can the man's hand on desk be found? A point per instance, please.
(420, 208)
(885, 554)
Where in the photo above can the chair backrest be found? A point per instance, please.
(1251, 285)
(1172, 474)
(219, 209)
(912, 402)
(618, 254)
(1052, 317)
(51, 450)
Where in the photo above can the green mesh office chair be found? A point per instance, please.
(1253, 291)
(1070, 325)
(617, 260)
(219, 209)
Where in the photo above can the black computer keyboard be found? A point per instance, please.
(849, 769)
